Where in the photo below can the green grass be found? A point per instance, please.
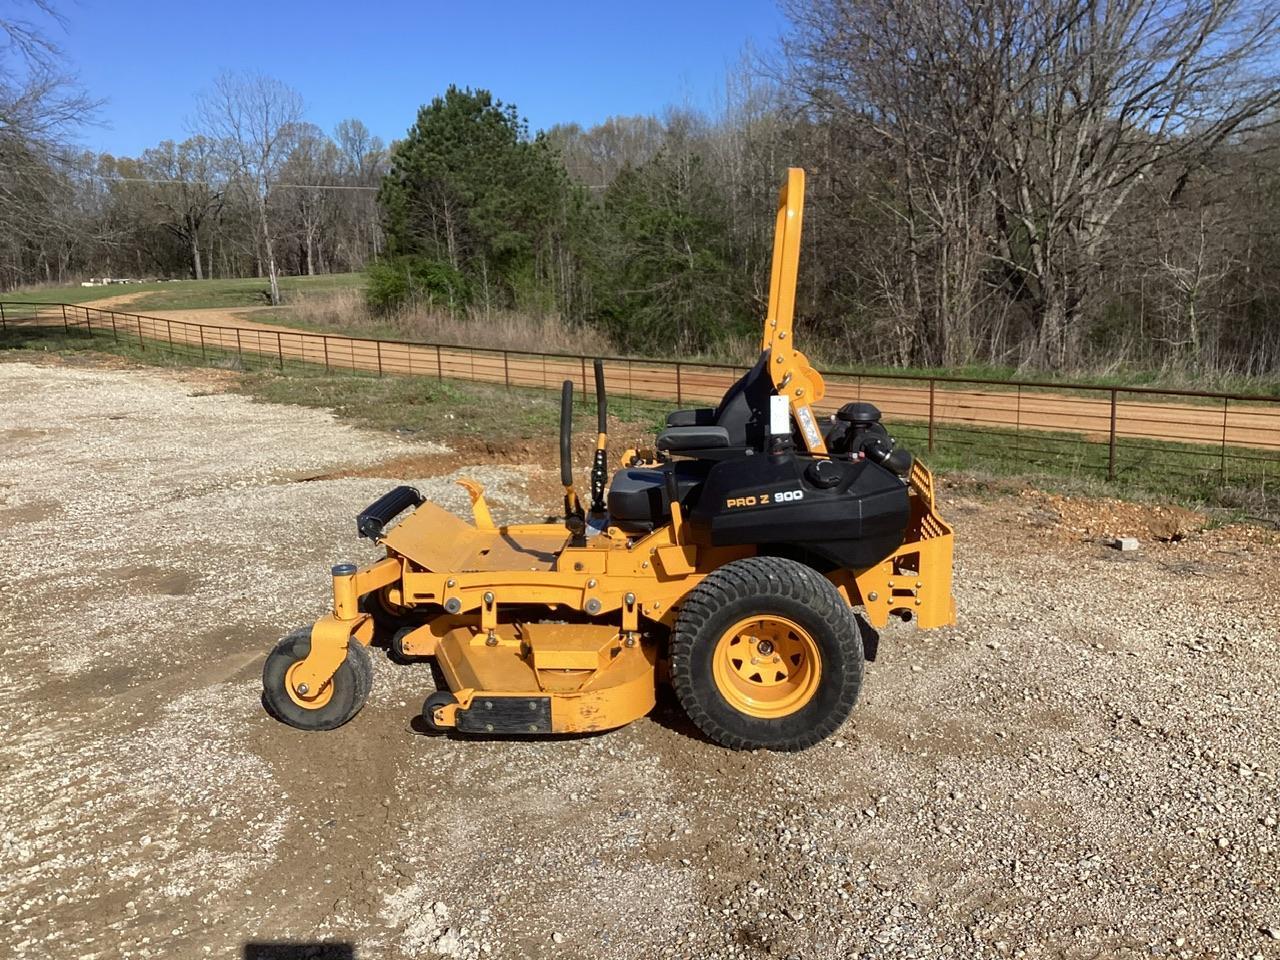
(1240, 481)
(193, 294)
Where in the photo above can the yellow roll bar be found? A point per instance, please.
(792, 375)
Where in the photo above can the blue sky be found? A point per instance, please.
(557, 61)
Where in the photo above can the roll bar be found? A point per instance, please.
(789, 369)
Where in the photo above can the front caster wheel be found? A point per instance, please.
(766, 653)
(337, 700)
(441, 698)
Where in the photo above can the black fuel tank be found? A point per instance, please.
(853, 512)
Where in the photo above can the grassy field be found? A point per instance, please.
(195, 294)
(1236, 480)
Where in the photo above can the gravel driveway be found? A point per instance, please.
(1086, 767)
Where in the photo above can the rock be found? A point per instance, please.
(557, 937)
(1125, 544)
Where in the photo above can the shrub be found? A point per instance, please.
(412, 281)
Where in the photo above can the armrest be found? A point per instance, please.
(701, 417)
(693, 438)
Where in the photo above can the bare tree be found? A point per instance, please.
(40, 107)
(188, 189)
(909, 76)
(256, 118)
(312, 173)
(362, 163)
(1100, 96)
(1022, 128)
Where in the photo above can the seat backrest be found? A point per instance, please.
(744, 409)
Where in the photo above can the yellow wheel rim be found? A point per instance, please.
(767, 666)
(312, 701)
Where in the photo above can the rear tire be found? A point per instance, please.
(338, 700)
(766, 654)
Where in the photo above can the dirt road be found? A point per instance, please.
(1085, 767)
(1137, 416)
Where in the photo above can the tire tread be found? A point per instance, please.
(761, 578)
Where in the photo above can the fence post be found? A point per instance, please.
(279, 350)
(142, 344)
(379, 347)
(1017, 424)
(239, 349)
(439, 365)
(932, 384)
(583, 400)
(506, 368)
(88, 322)
(169, 325)
(1224, 440)
(65, 326)
(679, 388)
(114, 332)
(326, 354)
(4, 324)
(1111, 440)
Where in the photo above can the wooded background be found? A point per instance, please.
(1045, 184)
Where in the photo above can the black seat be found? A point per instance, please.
(638, 500)
(742, 415)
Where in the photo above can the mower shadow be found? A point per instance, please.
(298, 950)
(420, 727)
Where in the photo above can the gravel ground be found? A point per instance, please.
(1085, 767)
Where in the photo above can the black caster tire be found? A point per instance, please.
(338, 700)
(441, 698)
(766, 654)
(395, 647)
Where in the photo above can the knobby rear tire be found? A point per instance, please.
(763, 587)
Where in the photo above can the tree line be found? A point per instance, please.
(1047, 184)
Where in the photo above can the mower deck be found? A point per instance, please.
(544, 678)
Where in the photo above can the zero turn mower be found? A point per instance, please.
(749, 562)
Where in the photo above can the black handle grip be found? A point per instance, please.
(566, 433)
(602, 401)
(374, 518)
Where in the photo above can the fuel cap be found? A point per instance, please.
(824, 474)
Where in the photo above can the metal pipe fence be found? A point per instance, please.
(1194, 439)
